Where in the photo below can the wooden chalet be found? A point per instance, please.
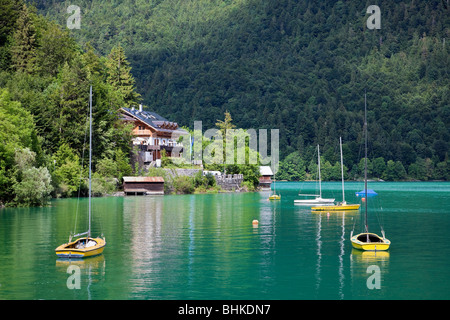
(143, 185)
(153, 133)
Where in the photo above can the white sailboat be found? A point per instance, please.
(340, 206)
(318, 200)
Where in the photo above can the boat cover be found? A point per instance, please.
(370, 193)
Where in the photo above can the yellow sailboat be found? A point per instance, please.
(368, 241)
(85, 246)
(81, 248)
(274, 196)
(340, 206)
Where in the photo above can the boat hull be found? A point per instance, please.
(317, 201)
(344, 207)
(275, 197)
(68, 250)
(376, 244)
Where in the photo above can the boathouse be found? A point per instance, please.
(265, 179)
(143, 185)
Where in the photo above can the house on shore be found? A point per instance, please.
(153, 133)
(143, 185)
(265, 180)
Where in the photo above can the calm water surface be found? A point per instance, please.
(205, 247)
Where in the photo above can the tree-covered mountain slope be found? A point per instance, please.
(299, 66)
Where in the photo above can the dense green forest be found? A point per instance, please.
(44, 101)
(299, 66)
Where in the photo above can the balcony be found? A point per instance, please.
(171, 149)
(147, 147)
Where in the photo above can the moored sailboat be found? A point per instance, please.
(318, 200)
(274, 196)
(85, 246)
(341, 206)
(368, 241)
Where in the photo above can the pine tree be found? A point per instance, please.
(119, 75)
(72, 106)
(93, 62)
(55, 47)
(226, 124)
(23, 49)
(9, 12)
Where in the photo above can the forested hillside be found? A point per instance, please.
(300, 66)
(44, 100)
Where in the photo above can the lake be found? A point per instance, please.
(204, 246)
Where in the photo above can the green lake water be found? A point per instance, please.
(205, 247)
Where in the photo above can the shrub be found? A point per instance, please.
(103, 185)
(107, 167)
(35, 187)
(183, 184)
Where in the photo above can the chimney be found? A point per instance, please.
(140, 108)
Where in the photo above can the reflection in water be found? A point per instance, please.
(319, 253)
(205, 247)
(330, 243)
(362, 267)
(92, 271)
(266, 243)
(191, 247)
(144, 214)
(267, 222)
(206, 243)
(96, 263)
(197, 242)
(341, 259)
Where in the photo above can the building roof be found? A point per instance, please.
(152, 119)
(143, 179)
(265, 171)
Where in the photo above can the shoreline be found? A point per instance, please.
(240, 190)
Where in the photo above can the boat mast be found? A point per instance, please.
(90, 156)
(318, 167)
(342, 171)
(365, 157)
(274, 180)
